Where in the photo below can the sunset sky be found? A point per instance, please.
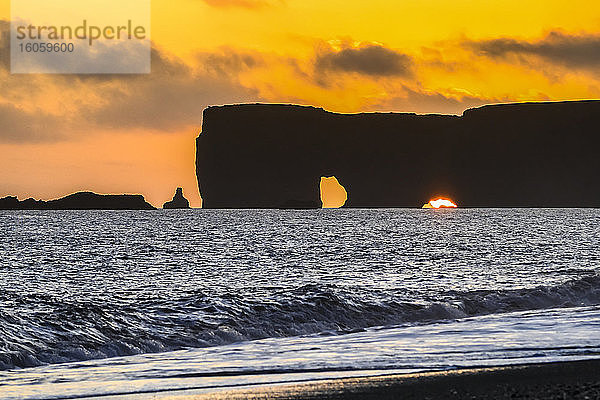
(135, 134)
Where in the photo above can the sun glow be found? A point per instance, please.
(440, 203)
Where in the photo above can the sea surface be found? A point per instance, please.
(123, 302)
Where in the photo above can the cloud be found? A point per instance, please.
(580, 51)
(248, 4)
(230, 62)
(370, 59)
(415, 100)
(16, 123)
(169, 99)
(19, 125)
(121, 57)
(4, 45)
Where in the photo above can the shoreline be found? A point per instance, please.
(555, 380)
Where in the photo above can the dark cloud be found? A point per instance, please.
(371, 59)
(18, 125)
(571, 50)
(126, 56)
(170, 98)
(248, 4)
(4, 45)
(230, 62)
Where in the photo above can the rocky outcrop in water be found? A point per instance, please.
(178, 202)
(510, 155)
(79, 201)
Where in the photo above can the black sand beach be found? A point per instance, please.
(565, 380)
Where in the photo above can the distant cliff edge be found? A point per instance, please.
(510, 155)
(79, 201)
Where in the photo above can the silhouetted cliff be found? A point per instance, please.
(514, 155)
(178, 202)
(79, 201)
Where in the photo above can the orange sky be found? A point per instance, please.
(60, 134)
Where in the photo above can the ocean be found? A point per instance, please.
(143, 302)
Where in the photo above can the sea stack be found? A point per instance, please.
(178, 202)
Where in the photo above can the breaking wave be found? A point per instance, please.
(37, 330)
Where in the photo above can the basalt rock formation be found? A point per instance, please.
(79, 201)
(510, 155)
(178, 202)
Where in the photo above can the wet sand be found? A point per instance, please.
(565, 380)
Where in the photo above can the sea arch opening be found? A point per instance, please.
(333, 194)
